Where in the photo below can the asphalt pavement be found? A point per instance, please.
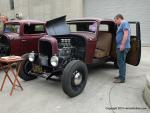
(100, 95)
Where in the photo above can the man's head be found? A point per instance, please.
(118, 18)
(4, 19)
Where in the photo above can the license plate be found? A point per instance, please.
(37, 69)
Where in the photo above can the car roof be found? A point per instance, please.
(26, 21)
(90, 19)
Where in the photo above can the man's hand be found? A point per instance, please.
(122, 47)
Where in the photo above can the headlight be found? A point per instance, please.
(31, 56)
(54, 61)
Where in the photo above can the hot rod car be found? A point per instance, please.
(69, 46)
(21, 36)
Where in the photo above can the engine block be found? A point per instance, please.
(65, 48)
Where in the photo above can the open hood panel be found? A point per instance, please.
(57, 26)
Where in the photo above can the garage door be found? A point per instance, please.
(133, 10)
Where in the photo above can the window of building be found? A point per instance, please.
(12, 5)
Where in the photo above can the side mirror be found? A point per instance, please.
(93, 27)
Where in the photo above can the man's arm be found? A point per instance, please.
(123, 43)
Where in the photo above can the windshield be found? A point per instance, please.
(83, 26)
(11, 28)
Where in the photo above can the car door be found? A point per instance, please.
(31, 37)
(134, 54)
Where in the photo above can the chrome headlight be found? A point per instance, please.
(31, 57)
(54, 61)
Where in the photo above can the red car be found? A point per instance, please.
(70, 46)
(21, 36)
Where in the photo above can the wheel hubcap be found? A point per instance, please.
(77, 78)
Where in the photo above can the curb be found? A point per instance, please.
(147, 91)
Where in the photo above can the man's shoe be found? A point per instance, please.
(117, 77)
(119, 81)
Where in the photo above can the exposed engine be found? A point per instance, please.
(71, 48)
(65, 48)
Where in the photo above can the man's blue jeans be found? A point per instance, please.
(121, 60)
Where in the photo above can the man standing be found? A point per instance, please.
(3, 19)
(122, 46)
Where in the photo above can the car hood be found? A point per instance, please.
(10, 36)
(57, 26)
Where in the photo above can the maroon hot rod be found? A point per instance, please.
(69, 46)
(21, 36)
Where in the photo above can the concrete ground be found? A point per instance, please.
(101, 95)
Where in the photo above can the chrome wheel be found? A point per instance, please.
(77, 78)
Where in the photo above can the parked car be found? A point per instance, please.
(21, 36)
(70, 46)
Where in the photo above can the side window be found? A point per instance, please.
(103, 27)
(14, 28)
(39, 29)
(133, 29)
(34, 28)
(73, 27)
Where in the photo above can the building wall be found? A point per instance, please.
(133, 10)
(5, 8)
(42, 9)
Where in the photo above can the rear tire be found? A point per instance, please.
(25, 67)
(74, 78)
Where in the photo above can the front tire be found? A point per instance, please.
(25, 67)
(74, 78)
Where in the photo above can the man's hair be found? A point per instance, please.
(119, 16)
